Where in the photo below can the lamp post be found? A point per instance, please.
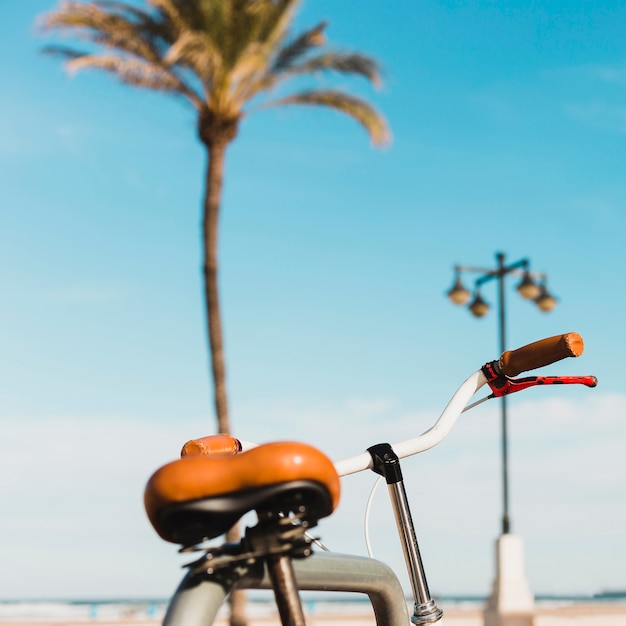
(510, 593)
(527, 288)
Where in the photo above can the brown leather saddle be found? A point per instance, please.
(201, 495)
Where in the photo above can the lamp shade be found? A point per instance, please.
(478, 307)
(458, 294)
(545, 300)
(528, 288)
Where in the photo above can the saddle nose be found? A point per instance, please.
(200, 497)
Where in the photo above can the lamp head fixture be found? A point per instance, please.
(545, 300)
(478, 307)
(458, 293)
(532, 286)
(528, 288)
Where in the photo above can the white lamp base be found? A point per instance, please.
(511, 602)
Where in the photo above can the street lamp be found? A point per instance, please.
(511, 598)
(529, 289)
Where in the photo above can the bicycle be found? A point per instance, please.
(291, 486)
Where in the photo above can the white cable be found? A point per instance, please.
(368, 507)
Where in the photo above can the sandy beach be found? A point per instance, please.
(575, 614)
(570, 615)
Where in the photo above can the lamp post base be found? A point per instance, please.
(511, 602)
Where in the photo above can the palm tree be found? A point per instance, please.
(226, 58)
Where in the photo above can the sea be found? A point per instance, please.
(153, 610)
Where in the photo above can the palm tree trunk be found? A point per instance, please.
(212, 200)
(237, 598)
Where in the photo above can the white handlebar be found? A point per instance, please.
(426, 440)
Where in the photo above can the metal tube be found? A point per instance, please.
(198, 598)
(408, 539)
(329, 571)
(387, 463)
(506, 522)
(426, 611)
(285, 590)
(196, 601)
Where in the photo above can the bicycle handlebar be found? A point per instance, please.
(540, 353)
(427, 439)
(511, 363)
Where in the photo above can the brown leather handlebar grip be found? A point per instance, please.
(213, 445)
(540, 353)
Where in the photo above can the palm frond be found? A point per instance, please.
(193, 50)
(173, 12)
(345, 63)
(253, 27)
(265, 26)
(93, 22)
(299, 47)
(130, 71)
(244, 35)
(274, 27)
(354, 107)
(63, 51)
(219, 54)
(121, 8)
(136, 37)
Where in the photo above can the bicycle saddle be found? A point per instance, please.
(200, 496)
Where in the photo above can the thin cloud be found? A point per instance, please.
(498, 105)
(586, 72)
(605, 73)
(41, 137)
(598, 113)
(66, 479)
(88, 293)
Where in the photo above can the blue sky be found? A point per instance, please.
(509, 127)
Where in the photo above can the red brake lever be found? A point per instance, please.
(502, 385)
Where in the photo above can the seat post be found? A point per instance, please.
(283, 579)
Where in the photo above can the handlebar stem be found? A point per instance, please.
(387, 463)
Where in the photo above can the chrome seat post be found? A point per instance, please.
(387, 464)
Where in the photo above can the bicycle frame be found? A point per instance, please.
(197, 601)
